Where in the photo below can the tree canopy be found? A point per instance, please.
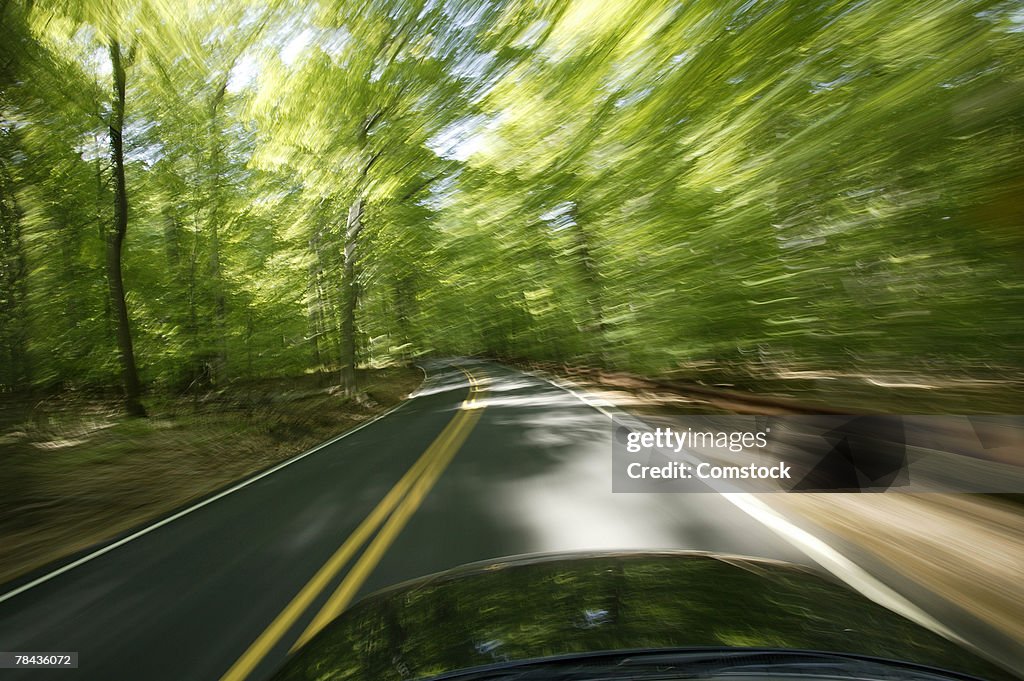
(776, 187)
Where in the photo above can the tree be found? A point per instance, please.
(732, 191)
(361, 144)
(115, 238)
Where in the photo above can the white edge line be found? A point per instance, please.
(582, 398)
(245, 483)
(814, 548)
(415, 393)
(837, 564)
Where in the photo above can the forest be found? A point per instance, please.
(198, 193)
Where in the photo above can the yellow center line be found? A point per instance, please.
(358, 575)
(442, 448)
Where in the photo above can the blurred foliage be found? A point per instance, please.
(772, 188)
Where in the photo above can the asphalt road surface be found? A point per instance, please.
(483, 462)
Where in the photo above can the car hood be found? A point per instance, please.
(533, 607)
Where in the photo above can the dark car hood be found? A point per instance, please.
(552, 605)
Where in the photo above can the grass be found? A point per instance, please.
(75, 472)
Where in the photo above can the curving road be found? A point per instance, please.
(484, 461)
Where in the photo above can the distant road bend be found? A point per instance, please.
(483, 461)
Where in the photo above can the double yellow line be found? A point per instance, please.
(393, 512)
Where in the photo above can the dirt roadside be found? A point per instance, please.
(76, 473)
(967, 548)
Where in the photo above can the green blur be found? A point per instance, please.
(739, 192)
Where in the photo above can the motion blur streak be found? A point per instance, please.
(227, 227)
(814, 197)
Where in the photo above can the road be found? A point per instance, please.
(484, 461)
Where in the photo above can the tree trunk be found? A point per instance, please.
(326, 311)
(349, 295)
(349, 285)
(115, 240)
(405, 308)
(101, 222)
(314, 305)
(590, 274)
(17, 371)
(215, 198)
